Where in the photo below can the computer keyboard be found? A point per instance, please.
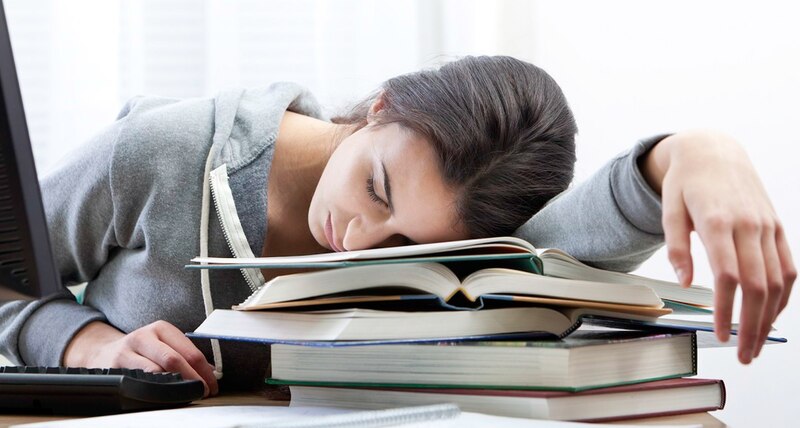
(70, 390)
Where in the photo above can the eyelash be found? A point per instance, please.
(371, 191)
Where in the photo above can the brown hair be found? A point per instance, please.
(501, 127)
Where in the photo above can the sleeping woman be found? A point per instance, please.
(482, 146)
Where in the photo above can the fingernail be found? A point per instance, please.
(745, 356)
(680, 273)
(759, 346)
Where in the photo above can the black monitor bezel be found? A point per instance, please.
(43, 277)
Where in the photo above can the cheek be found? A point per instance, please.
(345, 178)
(336, 185)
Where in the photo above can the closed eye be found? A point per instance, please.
(371, 192)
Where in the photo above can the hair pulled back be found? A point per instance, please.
(502, 130)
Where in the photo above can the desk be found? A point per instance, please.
(241, 399)
(706, 419)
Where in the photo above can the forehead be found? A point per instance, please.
(424, 205)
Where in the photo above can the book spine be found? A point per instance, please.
(651, 415)
(537, 263)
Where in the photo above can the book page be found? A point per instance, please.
(430, 278)
(508, 243)
(559, 264)
(508, 281)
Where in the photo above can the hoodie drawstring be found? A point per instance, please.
(205, 282)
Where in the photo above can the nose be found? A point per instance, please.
(363, 233)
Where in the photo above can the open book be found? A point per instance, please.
(418, 281)
(500, 248)
(559, 264)
(435, 273)
(509, 252)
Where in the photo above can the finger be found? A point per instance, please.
(152, 348)
(175, 338)
(787, 266)
(753, 281)
(136, 361)
(677, 235)
(717, 236)
(774, 277)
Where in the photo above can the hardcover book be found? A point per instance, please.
(586, 359)
(651, 399)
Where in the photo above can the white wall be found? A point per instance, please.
(80, 60)
(631, 69)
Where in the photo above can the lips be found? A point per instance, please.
(329, 234)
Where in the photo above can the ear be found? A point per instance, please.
(376, 107)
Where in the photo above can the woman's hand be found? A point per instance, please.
(157, 347)
(707, 184)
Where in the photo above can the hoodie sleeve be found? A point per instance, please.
(611, 221)
(78, 205)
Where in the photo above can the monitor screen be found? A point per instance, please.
(27, 269)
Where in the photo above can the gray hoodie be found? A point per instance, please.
(125, 216)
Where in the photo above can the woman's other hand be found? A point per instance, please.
(707, 184)
(157, 347)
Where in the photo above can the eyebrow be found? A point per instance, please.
(387, 187)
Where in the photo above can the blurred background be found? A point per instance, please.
(630, 69)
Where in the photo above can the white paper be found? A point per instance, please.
(195, 417)
(233, 416)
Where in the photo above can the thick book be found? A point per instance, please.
(586, 359)
(343, 327)
(507, 252)
(651, 399)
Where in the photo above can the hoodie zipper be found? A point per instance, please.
(231, 227)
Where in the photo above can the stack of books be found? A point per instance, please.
(588, 376)
(492, 325)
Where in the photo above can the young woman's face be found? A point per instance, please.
(382, 187)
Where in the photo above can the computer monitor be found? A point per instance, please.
(27, 269)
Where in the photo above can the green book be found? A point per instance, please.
(586, 359)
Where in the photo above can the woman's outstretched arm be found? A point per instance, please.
(708, 185)
(612, 220)
(665, 188)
